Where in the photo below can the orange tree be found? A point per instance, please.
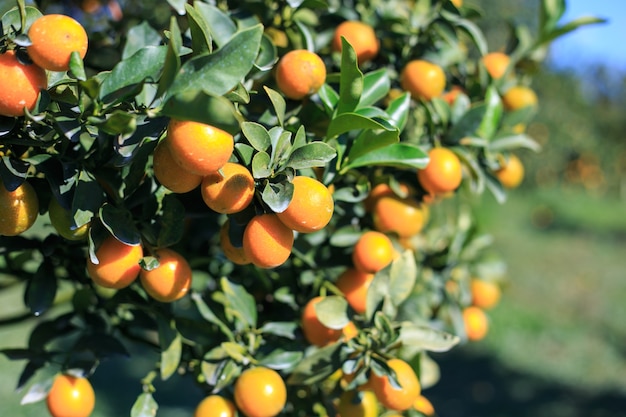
(301, 153)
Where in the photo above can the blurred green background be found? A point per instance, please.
(557, 343)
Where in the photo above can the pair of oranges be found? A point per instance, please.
(53, 38)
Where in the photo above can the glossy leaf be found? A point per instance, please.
(401, 155)
(314, 154)
(281, 360)
(144, 406)
(201, 40)
(277, 195)
(376, 86)
(172, 58)
(171, 347)
(220, 24)
(239, 303)
(41, 289)
(119, 223)
(332, 312)
(493, 114)
(351, 80)
(420, 337)
(257, 135)
(347, 122)
(318, 366)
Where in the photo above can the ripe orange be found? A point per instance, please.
(71, 397)
(423, 79)
(451, 95)
(383, 190)
(20, 85)
(476, 323)
(199, 148)
(18, 209)
(354, 285)
(311, 206)
(519, 97)
(357, 404)
(392, 398)
(267, 242)
(260, 392)
(300, 73)
(485, 294)
(405, 217)
(118, 264)
(170, 280)
(443, 172)
(424, 406)
(457, 3)
(372, 252)
(215, 406)
(235, 254)
(314, 331)
(228, 190)
(53, 39)
(511, 174)
(496, 64)
(63, 222)
(171, 175)
(362, 38)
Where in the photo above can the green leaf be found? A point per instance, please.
(278, 102)
(139, 37)
(401, 155)
(178, 5)
(351, 80)
(199, 106)
(208, 314)
(144, 406)
(370, 140)
(493, 114)
(468, 125)
(332, 312)
(171, 347)
(277, 195)
(234, 350)
(14, 18)
(318, 366)
(550, 13)
(261, 165)
(172, 59)
(41, 289)
(398, 111)
(329, 98)
(172, 221)
(567, 28)
(511, 142)
(284, 329)
(419, 337)
(402, 276)
(146, 63)
(376, 85)
(201, 42)
(314, 154)
(347, 122)
(471, 29)
(222, 70)
(257, 135)
(220, 24)
(239, 303)
(119, 222)
(76, 66)
(280, 359)
(120, 122)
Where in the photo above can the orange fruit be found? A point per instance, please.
(300, 73)
(511, 174)
(405, 217)
(350, 331)
(236, 255)
(314, 331)
(228, 190)
(71, 396)
(215, 406)
(424, 406)
(260, 392)
(392, 398)
(354, 285)
(457, 3)
(53, 39)
(18, 209)
(496, 64)
(267, 242)
(423, 79)
(519, 97)
(20, 85)
(362, 38)
(171, 175)
(63, 222)
(443, 172)
(485, 294)
(118, 264)
(170, 280)
(311, 206)
(357, 404)
(476, 323)
(277, 36)
(451, 96)
(372, 252)
(199, 148)
(383, 190)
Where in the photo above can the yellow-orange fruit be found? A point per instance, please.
(496, 64)
(171, 175)
(314, 331)
(405, 217)
(476, 323)
(511, 174)
(71, 396)
(118, 264)
(392, 398)
(53, 39)
(228, 190)
(443, 173)
(267, 242)
(519, 97)
(260, 392)
(215, 406)
(311, 206)
(372, 252)
(362, 38)
(485, 294)
(423, 79)
(20, 85)
(354, 285)
(235, 254)
(18, 209)
(300, 73)
(170, 280)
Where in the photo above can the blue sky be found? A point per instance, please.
(601, 43)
